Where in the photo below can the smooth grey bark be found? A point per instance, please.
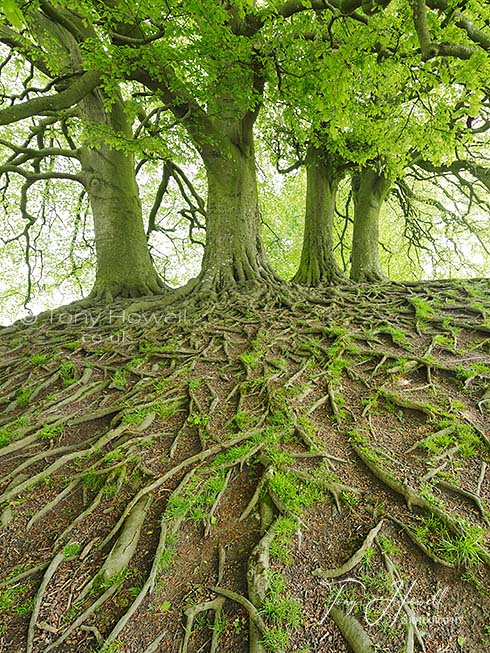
(317, 262)
(233, 253)
(222, 132)
(124, 265)
(369, 190)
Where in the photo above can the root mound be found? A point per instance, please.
(303, 473)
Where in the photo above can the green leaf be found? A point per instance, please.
(12, 13)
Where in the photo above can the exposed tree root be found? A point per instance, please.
(50, 571)
(354, 560)
(155, 644)
(86, 614)
(258, 581)
(267, 475)
(248, 605)
(352, 631)
(52, 504)
(471, 496)
(419, 544)
(184, 417)
(413, 631)
(192, 612)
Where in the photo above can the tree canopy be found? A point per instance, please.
(142, 109)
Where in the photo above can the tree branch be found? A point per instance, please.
(63, 100)
(428, 48)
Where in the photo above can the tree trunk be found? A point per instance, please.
(369, 190)
(124, 265)
(234, 253)
(317, 260)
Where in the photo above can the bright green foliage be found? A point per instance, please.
(49, 432)
(284, 529)
(68, 373)
(293, 494)
(464, 550)
(72, 549)
(23, 396)
(6, 436)
(11, 600)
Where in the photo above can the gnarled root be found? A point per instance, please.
(352, 631)
(354, 560)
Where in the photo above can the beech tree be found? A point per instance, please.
(317, 262)
(372, 124)
(107, 171)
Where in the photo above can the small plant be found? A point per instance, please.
(387, 546)
(68, 373)
(23, 395)
(39, 359)
(198, 420)
(168, 410)
(295, 495)
(465, 549)
(120, 378)
(276, 639)
(220, 623)
(6, 436)
(282, 610)
(137, 416)
(398, 336)
(368, 560)
(25, 607)
(101, 582)
(243, 420)
(251, 359)
(444, 342)
(113, 647)
(423, 309)
(284, 529)
(428, 527)
(92, 480)
(350, 499)
(238, 452)
(357, 437)
(167, 554)
(50, 432)
(75, 344)
(9, 597)
(71, 550)
(72, 612)
(426, 491)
